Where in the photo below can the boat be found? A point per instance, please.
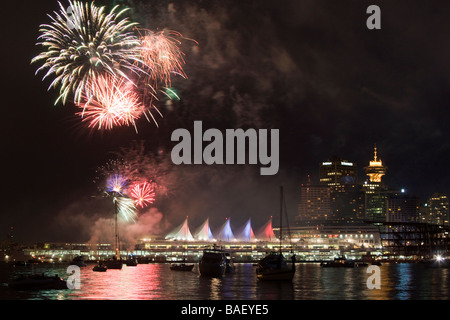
(274, 266)
(340, 262)
(438, 262)
(78, 261)
(181, 267)
(131, 261)
(37, 282)
(213, 262)
(229, 267)
(100, 267)
(114, 263)
(144, 260)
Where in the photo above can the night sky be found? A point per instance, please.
(309, 68)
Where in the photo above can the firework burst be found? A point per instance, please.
(142, 193)
(107, 63)
(112, 102)
(160, 53)
(117, 183)
(82, 42)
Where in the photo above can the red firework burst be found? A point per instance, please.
(111, 102)
(143, 194)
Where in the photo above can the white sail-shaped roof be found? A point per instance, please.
(266, 232)
(225, 233)
(181, 232)
(203, 233)
(247, 233)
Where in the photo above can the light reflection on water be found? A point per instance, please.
(311, 282)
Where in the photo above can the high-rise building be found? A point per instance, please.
(336, 172)
(346, 196)
(347, 204)
(314, 207)
(375, 190)
(438, 209)
(402, 208)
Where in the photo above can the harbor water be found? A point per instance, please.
(155, 281)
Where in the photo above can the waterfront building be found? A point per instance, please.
(182, 232)
(203, 233)
(307, 243)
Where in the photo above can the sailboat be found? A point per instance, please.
(274, 267)
(116, 261)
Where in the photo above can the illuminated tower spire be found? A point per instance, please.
(375, 170)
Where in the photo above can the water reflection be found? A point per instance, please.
(311, 282)
(403, 282)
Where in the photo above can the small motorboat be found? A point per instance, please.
(37, 282)
(340, 262)
(114, 263)
(78, 261)
(181, 267)
(100, 268)
(438, 262)
(131, 261)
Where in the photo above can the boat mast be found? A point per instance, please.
(281, 215)
(116, 230)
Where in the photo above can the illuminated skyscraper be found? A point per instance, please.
(346, 196)
(336, 172)
(375, 170)
(438, 212)
(402, 208)
(314, 207)
(375, 190)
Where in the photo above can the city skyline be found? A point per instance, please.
(311, 69)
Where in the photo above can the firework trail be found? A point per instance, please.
(126, 208)
(82, 42)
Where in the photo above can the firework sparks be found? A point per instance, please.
(126, 208)
(112, 102)
(82, 42)
(161, 54)
(143, 194)
(117, 183)
(107, 63)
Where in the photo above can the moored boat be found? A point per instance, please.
(213, 262)
(340, 262)
(274, 267)
(37, 282)
(100, 267)
(181, 267)
(78, 261)
(131, 261)
(114, 263)
(437, 262)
